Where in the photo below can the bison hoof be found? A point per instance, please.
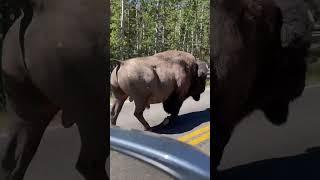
(166, 121)
(148, 129)
(114, 126)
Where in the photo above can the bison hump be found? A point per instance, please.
(296, 28)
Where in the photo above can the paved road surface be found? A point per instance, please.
(59, 148)
(259, 150)
(192, 126)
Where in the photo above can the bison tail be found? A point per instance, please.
(118, 61)
(117, 69)
(118, 66)
(114, 81)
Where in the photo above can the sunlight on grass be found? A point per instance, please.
(3, 120)
(313, 73)
(208, 82)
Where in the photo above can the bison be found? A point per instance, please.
(165, 77)
(55, 58)
(259, 50)
(196, 71)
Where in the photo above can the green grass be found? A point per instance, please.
(313, 73)
(3, 121)
(111, 97)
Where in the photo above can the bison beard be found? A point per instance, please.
(258, 62)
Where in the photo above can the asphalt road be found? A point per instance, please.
(59, 148)
(259, 150)
(192, 125)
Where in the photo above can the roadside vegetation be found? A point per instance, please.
(3, 121)
(145, 27)
(313, 73)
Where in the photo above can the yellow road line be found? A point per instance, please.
(200, 139)
(194, 133)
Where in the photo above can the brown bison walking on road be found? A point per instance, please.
(154, 79)
(258, 63)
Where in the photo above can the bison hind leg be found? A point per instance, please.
(140, 105)
(27, 128)
(115, 109)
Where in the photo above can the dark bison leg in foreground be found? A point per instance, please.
(29, 111)
(94, 150)
(222, 134)
(53, 66)
(26, 131)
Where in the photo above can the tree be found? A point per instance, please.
(144, 27)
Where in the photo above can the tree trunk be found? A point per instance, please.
(156, 41)
(122, 29)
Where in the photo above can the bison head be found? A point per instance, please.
(285, 74)
(199, 81)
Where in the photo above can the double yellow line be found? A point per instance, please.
(196, 137)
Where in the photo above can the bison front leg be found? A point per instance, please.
(223, 124)
(94, 147)
(221, 136)
(172, 106)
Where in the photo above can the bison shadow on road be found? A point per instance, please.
(302, 166)
(183, 123)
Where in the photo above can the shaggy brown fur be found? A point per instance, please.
(152, 79)
(54, 58)
(251, 68)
